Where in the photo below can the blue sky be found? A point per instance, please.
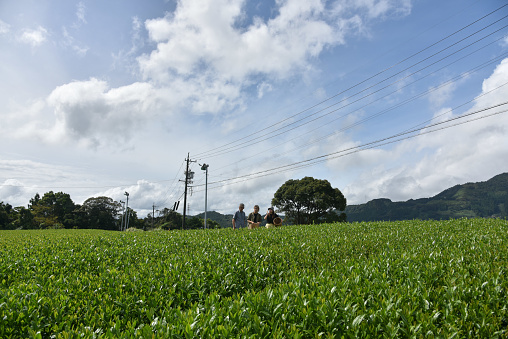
(98, 98)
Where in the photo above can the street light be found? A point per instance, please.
(204, 167)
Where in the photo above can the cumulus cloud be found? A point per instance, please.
(475, 151)
(206, 59)
(34, 37)
(208, 38)
(90, 110)
(198, 35)
(13, 192)
(141, 195)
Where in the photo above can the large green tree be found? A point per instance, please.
(310, 200)
(100, 212)
(53, 210)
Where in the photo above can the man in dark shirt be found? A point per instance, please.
(239, 220)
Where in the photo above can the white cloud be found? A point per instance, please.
(198, 35)
(4, 27)
(204, 61)
(13, 192)
(34, 37)
(141, 195)
(90, 111)
(207, 38)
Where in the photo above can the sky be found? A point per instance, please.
(397, 99)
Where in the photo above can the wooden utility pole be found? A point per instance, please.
(188, 180)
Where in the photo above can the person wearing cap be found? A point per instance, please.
(254, 218)
(270, 215)
(239, 220)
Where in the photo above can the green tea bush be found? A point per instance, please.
(378, 279)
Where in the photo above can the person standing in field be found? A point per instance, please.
(239, 220)
(270, 215)
(254, 218)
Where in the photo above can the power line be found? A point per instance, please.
(462, 75)
(371, 144)
(350, 151)
(214, 150)
(269, 135)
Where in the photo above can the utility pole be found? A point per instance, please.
(153, 215)
(188, 180)
(126, 225)
(204, 167)
(123, 214)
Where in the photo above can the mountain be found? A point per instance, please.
(481, 199)
(224, 220)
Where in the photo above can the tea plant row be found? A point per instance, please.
(398, 279)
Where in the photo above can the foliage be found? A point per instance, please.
(482, 199)
(53, 210)
(212, 224)
(101, 212)
(309, 200)
(397, 279)
(24, 219)
(170, 220)
(194, 223)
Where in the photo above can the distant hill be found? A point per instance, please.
(224, 220)
(482, 199)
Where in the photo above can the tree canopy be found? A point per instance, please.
(53, 210)
(101, 212)
(310, 200)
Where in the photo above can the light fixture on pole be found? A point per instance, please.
(204, 167)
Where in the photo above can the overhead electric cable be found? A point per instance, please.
(203, 154)
(351, 151)
(269, 135)
(385, 111)
(366, 144)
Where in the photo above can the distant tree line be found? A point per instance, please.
(304, 201)
(57, 210)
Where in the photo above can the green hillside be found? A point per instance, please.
(224, 220)
(482, 199)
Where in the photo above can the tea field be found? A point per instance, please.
(436, 279)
